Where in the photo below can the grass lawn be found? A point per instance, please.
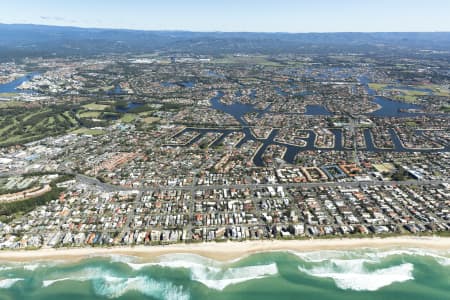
(406, 95)
(51, 120)
(145, 113)
(409, 96)
(26, 125)
(95, 106)
(88, 131)
(70, 118)
(6, 128)
(151, 120)
(128, 118)
(259, 60)
(438, 90)
(413, 93)
(90, 114)
(7, 96)
(42, 112)
(377, 86)
(20, 139)
(411, 123)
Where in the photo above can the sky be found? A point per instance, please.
(235, 15)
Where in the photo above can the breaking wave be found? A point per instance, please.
(31, 267)
(218, 279)
(85, 274)
(354, 275)
(357, 270)
(213, 274)
(27, 266)
(109, 285)
(438, 257)
(47, 283)
(371, 255)
(114, 287)
(7, 283)
(120, 258)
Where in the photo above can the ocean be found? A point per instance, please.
(360, 274)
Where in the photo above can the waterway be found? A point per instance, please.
(122, 110)
(316, 110)
(117, 90)
(184, 84)
(392, 108)
(11, 87)
(130, 106)
(238, 110)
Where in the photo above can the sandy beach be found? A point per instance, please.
(228, 250)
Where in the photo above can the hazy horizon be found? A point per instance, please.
(217, 31)
(322, 16)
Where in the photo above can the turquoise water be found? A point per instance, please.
(363, 274)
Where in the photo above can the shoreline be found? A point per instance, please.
(226, 251)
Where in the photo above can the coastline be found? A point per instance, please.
(226, 251)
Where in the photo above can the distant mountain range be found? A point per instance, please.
(38, 40)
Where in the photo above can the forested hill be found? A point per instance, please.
(18, 41)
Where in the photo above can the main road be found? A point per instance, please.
(94, 182)
(114, 188)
